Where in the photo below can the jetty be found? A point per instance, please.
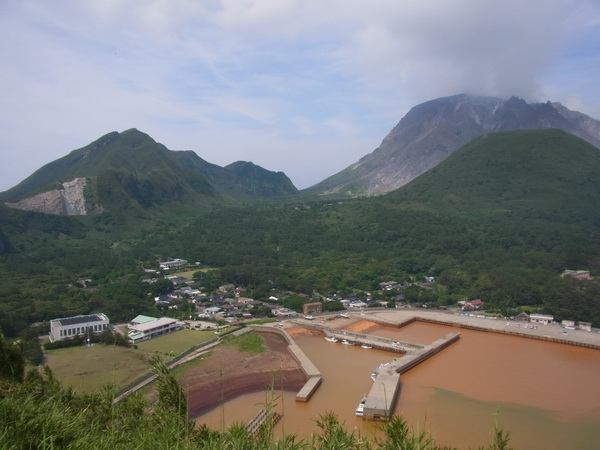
(260, 419)
(310, 370)
(382, 396)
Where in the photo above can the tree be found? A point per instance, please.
(12, 362)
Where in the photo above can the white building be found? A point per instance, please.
(69, 327)
(541, 318)
(173, 263)
(359, 304)
(149, 329)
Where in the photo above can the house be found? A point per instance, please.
(522, 317)
(357, 304)
(541, 318)
(227, 288)
(569, 324)
(284, 313)
(69, 327)
(473, 304)
(211, 311)
(312, 308)
(389, 285)
(152, 328)
(578, 274)
(587, 326)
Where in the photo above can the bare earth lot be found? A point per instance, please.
(228, 373)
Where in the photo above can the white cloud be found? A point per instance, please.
(299, 83)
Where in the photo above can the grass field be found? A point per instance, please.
(190, 273)
(176, 343)
(88, 369)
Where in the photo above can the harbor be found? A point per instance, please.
(381, 400)
(442, 392)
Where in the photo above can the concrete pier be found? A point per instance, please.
(382, 396)
(307, 366)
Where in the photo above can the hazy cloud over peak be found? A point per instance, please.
(306, 87)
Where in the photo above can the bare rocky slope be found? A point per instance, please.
(68, 200)
(431, 131)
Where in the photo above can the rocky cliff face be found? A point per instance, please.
(432, 131)
(69, 200)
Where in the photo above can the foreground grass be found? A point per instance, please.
(39, 413)
(36, 411)
(88, 369)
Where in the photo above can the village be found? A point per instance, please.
(188, 306)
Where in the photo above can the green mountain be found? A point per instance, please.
(129, 171)
(499, 219)
(546, 173)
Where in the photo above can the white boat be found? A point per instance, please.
(346, 342)
(345, 316)
(366, 346)
(331, 339)
(309, 317)
(361, 407)
(374, 376)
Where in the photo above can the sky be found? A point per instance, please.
(306, 87)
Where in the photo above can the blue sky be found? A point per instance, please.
(306, 87)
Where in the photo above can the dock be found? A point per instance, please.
(310, 370)
(382, 396)
(260, 419)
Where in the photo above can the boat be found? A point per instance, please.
(346, 342)
(331, 339)
(374, 376)
(367, 346)
(345, 316)
(361, 407)
(309, 317)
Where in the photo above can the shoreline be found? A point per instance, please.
(548, 333)
(278, 369)
(229, 373)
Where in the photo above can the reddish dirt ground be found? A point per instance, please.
(228, 373)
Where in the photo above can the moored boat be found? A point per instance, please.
(361, 407)
(331, 339)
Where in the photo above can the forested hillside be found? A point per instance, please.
(499, 220)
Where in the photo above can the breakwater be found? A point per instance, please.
(382, 396)
(310, 370)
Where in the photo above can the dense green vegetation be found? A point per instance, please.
(498, 220)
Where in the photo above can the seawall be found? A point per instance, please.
(310, 370)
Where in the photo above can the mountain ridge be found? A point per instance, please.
(127, 170)
(433, 130)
